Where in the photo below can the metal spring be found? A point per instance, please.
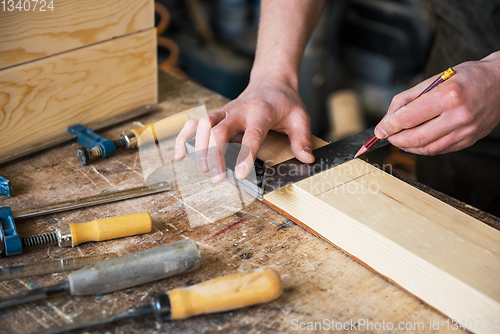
(40, 240)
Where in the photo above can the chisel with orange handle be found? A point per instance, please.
(217, 295)
(96, 230)
(128, 140)
(120, 273)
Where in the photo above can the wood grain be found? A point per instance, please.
(446, 258)
(29, 35)
(40, 99)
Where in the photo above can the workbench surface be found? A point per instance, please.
(320, 281)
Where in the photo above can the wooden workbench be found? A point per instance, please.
(320, 281)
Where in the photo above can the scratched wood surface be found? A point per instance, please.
(37, 31)
(321, 283)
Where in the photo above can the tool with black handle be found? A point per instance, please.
(121, 273)
(217, 295)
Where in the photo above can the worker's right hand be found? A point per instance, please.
(266, 104)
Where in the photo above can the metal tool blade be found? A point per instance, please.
(326, 157)
(34, 294)
(139, 313)
(106, 197)
(52, 267)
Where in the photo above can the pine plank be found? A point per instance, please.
(30, 35)
(446, 258)
(40, 99)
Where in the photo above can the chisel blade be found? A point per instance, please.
(102, 198)
(52, 267)
(32, 295)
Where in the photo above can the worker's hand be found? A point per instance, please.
(266, 104)
(452, 116)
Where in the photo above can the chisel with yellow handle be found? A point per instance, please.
(129, 139)
(218, 295)
(120, 273)
(96, 230)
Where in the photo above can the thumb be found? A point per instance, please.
(300, 141)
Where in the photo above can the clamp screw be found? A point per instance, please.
(84, 155)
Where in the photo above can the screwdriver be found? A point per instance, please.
(96, 230)
(217, 295)
(121, 273)
(129, 139)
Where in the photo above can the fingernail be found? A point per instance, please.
(380, 132)
(215, 174)
(177, 153)
(241, 169)
(308, 151)
(202, 163)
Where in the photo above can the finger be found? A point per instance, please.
(252, 141)
(388, 125)
(300, 138)
(403, 98)
(455, 147)
(187, 133)
(423, 134)
(451, 142)
(219, 139)
(203, 131)
(415, 113)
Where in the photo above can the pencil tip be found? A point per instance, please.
(362, 150)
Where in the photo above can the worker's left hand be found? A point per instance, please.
(452, 116)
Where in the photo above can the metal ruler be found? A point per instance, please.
(52, 267)
(107, 197)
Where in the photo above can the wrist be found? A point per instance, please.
(278, 73)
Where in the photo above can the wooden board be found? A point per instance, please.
(33, 34)
(439, 254)
(40, 99)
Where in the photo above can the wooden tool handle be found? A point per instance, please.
(225, 293)
(162, 129)
(111, 228)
